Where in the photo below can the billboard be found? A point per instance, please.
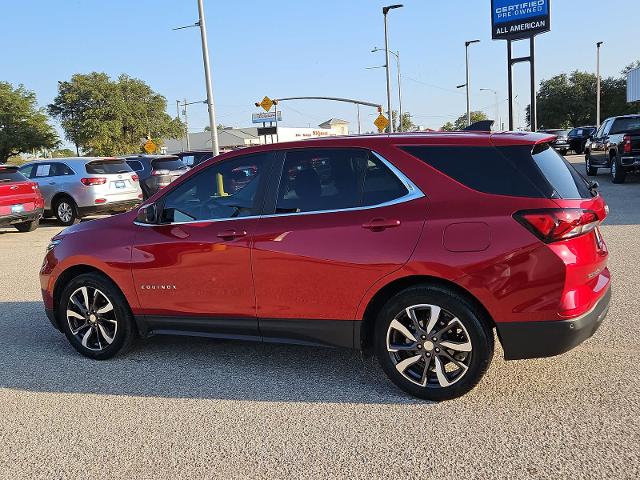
(517, 19)
(633, 85)
(262, 117)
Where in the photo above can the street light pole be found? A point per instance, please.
(178, 117)
(598, 83)
(385, 11)
(207, 74)
(186, 123)
(466, 58)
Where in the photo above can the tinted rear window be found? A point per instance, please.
(11, 175)
(563, 177)
(167, 164)
(622, 125)
(107, 167)
(485, 169)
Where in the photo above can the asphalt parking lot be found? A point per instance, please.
(196, 408)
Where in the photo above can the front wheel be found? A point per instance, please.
(433, 343)
(95, 317)
(27, 226)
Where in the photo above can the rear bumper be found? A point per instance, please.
(111, 207)
(21, 217)
(630, 161)
(548, 338)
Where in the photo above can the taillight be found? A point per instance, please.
(134, 177)
(626, 148)
(89, 181)
(160, 172)
(554, 224)
(34, 187)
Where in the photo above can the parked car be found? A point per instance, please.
(21, 204)
(156, 171)
(561, 143)
(76, 187)
(615, 145)
(415, 248)
(194, 157)
(577, 138)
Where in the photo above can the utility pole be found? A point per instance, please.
(385, 11)
(598, 83)
(178, 117)
(207, 75)
(466, 57)
(397, 55)
(186, 123)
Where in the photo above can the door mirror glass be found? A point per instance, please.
(148, 214)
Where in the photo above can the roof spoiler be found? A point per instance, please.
(481, 126)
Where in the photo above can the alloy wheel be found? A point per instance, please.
(65, 212)
(429, 346)
(92, 318)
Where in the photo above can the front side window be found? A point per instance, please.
(224, 190)
(27, 170)
(41, 170)
(335, 179)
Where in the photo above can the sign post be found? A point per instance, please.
(513, 20)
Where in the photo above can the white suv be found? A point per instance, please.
(76, 187)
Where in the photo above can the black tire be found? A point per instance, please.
(27, 226)
(563, 152)
(618, 174)
(66, 211)
(591, 170)
(453, 307)
(117, 322)
(579, 149)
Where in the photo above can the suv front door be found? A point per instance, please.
(337, 221)
(599, 145)
(192, 270)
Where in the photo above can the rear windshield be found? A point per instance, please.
(107, 167)
(513, 171)
(167, 164)
(622, 125)
(11, 175)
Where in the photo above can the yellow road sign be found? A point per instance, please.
(381, 122)
(266, 103)
(149, 146)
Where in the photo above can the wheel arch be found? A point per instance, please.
(58, 195)
(65, 277)
(392, 288)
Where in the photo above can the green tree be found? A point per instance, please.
(23, 126)
(63, 152)
(568, 100)
(111, 117)
(406, 123)
(461, 121)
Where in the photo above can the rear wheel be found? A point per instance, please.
(617, 172)
(66, 211)
(27, 226)
(579, 149)
(591, 170)
(432, 343)
(95, 317)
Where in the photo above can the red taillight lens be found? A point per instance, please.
(134, 177)
(554, 224)
(626, 142)
(93, 181)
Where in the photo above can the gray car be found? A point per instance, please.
(76, 187)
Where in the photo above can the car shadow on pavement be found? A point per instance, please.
(36, 357)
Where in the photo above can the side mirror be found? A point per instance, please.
(148, 214)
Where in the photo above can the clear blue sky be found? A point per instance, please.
(295, 48)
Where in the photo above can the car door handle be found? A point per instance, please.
(380, 224)
(231, 234)
(52, 183)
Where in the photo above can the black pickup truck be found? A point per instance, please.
(615, 145)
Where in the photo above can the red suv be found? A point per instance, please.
(413, 246)
(21, 203)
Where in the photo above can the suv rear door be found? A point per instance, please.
(336, 221)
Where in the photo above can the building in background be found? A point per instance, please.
(633, 85)
(234, 138)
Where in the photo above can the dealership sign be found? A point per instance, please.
(517, 19)
(262, 117)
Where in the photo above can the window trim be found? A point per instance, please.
(413, 192)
